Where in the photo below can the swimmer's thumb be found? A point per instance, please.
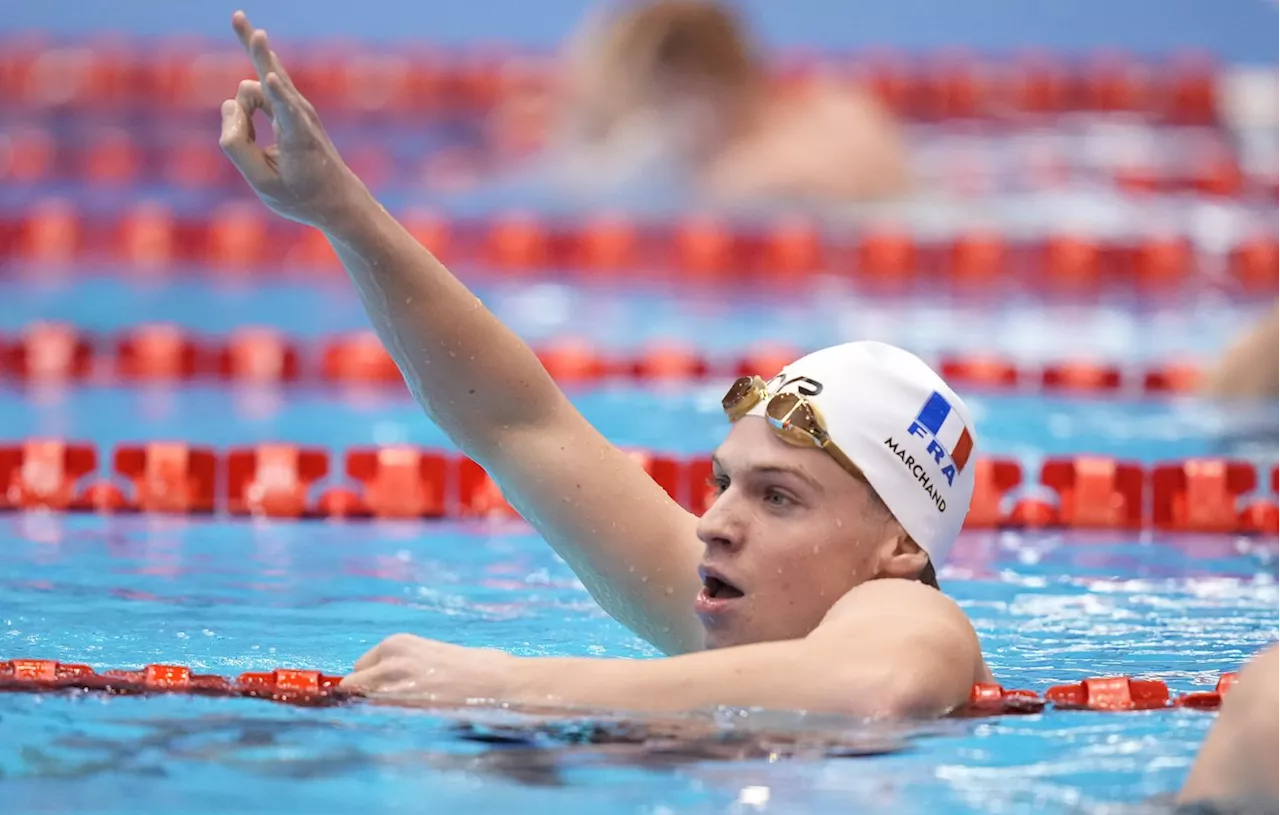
(237, 141)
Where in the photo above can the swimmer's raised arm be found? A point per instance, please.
(634, 548)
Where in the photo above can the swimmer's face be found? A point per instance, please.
(792, 532)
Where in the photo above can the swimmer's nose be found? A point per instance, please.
(718, 527)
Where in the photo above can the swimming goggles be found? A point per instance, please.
(795, 419)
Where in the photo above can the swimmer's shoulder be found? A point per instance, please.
(896, 606)
(825, 102)
(842, 142)
(887, 596)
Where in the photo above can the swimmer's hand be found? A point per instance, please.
(422, 670)
(301, 176)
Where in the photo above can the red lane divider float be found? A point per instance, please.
(405, 482)
(159, 352)
(395, 482)
(45, 474)
(1096, 492)
(106, 73)
(273, 480)
(1110, 693)
(1209, 700)
(313, 688)
(85, 152)
(235, 239)
(307, 688)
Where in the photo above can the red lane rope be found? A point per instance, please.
(237, 239)
(161, 352)
(279, 480)
(109, 158)
(313, 688)
(281, 685)
(179, 77)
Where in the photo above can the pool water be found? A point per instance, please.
(226, 596)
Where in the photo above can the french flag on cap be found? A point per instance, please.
(949, 441)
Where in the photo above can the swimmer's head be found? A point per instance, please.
(688, 59)
(795, 526)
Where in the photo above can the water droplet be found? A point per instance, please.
(669, 590)
(644, 579)
(839, 522)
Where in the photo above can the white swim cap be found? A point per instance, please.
(901, 425)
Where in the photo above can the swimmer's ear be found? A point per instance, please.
(901, 557)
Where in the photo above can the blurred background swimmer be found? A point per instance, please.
(1250, 366)
(676, 89)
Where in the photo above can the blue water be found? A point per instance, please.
(227, 597)
(628, 317)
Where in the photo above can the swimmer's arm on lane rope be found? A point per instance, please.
(867, 659)
(634, 548)
(1238, 759)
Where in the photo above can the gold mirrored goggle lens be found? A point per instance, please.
(796, 420)
(793, 418)
(742, 396)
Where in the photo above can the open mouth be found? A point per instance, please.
(719, 589)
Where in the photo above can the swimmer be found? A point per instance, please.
(809, 584)
(676, 83)
(1250, 367)
(1236, 770)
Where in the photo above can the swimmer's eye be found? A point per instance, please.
(777, 498)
